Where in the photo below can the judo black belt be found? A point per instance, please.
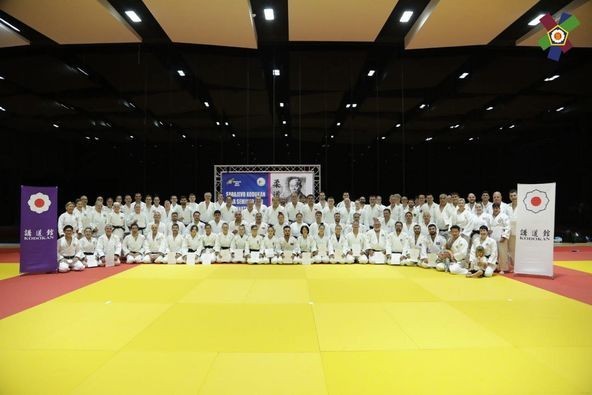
(69, 257)
(257, 250)
(118, 227)
(208, 246)
(141, 228)
(475, 232)
(89, 253)
(155, 253)
(378, 250)
(190, 250)
(224, 248)
(443, 230)
(134, 252)
(487, 256)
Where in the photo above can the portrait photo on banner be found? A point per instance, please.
(283, 184)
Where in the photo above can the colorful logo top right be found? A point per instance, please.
(557, 34)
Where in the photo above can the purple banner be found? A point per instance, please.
(39, 218)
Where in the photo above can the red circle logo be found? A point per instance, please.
(39, 203)
(536, 201)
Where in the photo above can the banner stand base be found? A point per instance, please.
(552, 277)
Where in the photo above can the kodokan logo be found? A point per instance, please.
(557, 34)
(536, 201)
(39, 202)
(261, 181)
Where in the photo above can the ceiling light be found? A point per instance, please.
(338, 123)
(354, 105)
(129, 104)
(1, 78)
(332, 136)
(82, 71)
(181, 73)
(423, 105)
(552, 78)
(285, 134)
(383, 138)
(276, 72)
(347, 105)
(87, 137)
(9, 25)
(463, 76)
(183, 136)
(55, 125)
(217, 123)
(560, 109)
(406, 16)
(398, 125)
(96, 139)
(2, 108)
(269, 14)
(284, 122)
(489, 108)
(206, 104)
(133, 16)
(536, 20)
(281, 104)
(233, 135)
(131, 136)
(512, 126)
(371, 73)
(454, 126)
(226, 123)
(428, 138)
(471, 139)
(501, 128)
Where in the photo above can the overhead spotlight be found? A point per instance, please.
(55, 125)
(428, 138)
(96, 138)
(354, 105)
(87, 137)
(233, 135)
(332, 136)
(347, 105)
(129, 104)
(560, 109)
(131, 136)
(463, 76)
(471, 139)
(454, 126)
(489, 108)
(338, 123)
(552, 78)
(536, 20)
(423, 105)
(217, 123)
(383, 138)
(371, 73)
(268, 14)
(181, 73)
(284, 122)
(282, 104)
(398, 125)
(501, 128)
(82, 71)
(406, 16)
(1, 78)
(2, 108)
(9, 25)
(133, 16)
(226, 123)
(285, 134)
(512, 126)
(276, 72)
(184, 136)
(206, 104)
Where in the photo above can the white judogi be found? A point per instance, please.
(442, 219)
(290, 245)
(208, 242)
(153, 209)
(261, 208)
(185, 214)
(87, 247)
(370, 212)
(330, 228)
(321, 247)
(170, 228)
(125, 209)
(511, 213)
(201, 227)
(69, 219)
(396, 212)
(154, 245)
(233, 226)
(167, 215)
(488, 208)
(435, 245)
(216, 226)
(347, 214)
(139, 219)
(254, 244)
(271, 243)
(314, 229)
(117, 220)
(430, 208)
(105, 244)
(459, 249)
(239, 243)
(228, 212)
(306, 244)
(175, 244)
(68, 254)
(293, 209)
(465, 221)
(490, 247)
(295, 227)
(271, 214)
(85, 218)
(308, 214)
(349, 228)
(414, 243)
(218, 204)
(131, 245)
(192, 244)
(501, 230)
(320, 206)
(338, 245)
(98, 221)
(249, 216)
(389, 226)
(262, 228)
(162, 228)
(396, 242)
(206, 211)
(483, 219)
(355, 241)
(408, 228)
(424, 228)
(223, 241)
(329, 214)
(376, 241)
(279, 228)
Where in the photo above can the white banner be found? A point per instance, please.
(535, 225)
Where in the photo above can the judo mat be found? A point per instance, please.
(320, 329)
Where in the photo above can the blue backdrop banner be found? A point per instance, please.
(245, 186)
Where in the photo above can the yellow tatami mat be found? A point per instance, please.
(8, 270)
(342, 329)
